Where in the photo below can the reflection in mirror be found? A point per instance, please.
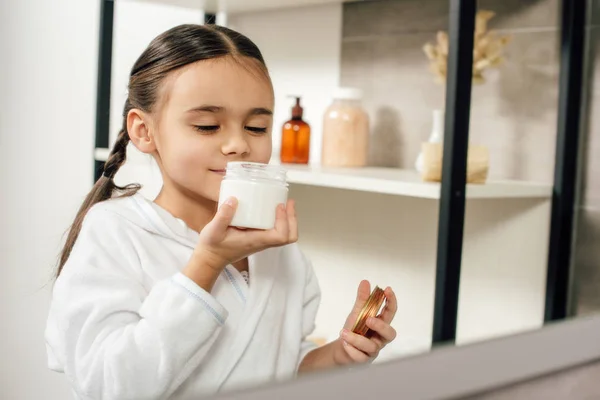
(157, 298)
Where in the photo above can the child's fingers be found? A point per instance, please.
(355, 355)
(222, 219)
(279, 235)
(360, 342)
(382, 328)
(292, 222)
(391, 306)
(362, 295)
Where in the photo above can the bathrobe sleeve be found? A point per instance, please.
(312, 299)
(112, 337)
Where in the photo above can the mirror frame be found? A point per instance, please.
(453, 371)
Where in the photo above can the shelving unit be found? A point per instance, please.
(391, 226)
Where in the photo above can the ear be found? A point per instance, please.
(139, 129)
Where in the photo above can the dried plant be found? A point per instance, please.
(487, 50)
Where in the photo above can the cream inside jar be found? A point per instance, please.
(259, 189)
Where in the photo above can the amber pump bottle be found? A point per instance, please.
(295, 138)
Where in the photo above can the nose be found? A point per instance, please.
(235, 143)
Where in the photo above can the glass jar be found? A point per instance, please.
(258, 188)
(345, 131)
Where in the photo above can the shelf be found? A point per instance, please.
(397, 182)
(101, 154)
(241, 6)
(406, 183)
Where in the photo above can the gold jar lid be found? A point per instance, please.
(369, 310)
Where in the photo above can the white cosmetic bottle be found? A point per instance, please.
(436, 136)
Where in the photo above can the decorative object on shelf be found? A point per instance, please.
(345, 130)
(477, 163)
(370, 310)
(295, 137)
(436, 136)
(487, 50)
(487, 53)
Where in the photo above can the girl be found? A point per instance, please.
(151, 300)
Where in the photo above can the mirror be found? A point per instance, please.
(377, 221)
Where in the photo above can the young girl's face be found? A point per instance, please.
(212, 112)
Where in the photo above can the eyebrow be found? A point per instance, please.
(217, 109)
(261, 111)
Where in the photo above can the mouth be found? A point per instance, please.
(218, 171)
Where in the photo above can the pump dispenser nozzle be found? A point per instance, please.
(297, 109)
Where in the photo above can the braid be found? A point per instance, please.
(117, 155)
(103, 190)
(115, 160)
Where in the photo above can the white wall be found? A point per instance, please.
(47, 100)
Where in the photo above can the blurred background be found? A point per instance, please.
(351, 230)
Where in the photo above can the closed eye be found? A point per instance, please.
(255, 129)
(206, 128)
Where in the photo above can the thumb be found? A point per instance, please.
(362, 295)
(223, 217)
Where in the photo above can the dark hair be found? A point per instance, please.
(173, 49)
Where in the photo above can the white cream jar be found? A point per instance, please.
(259, 189)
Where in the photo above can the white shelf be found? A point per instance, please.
(397, 182)
(101, 154)
(241, 6)
(406, 183)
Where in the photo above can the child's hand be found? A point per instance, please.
(221, 244)
(354, 348)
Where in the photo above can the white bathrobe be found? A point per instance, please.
(126, 324)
